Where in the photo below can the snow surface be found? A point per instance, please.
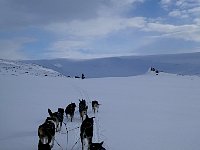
(154, 112)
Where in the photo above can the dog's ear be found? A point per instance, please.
(86, 116)
(50, 112)
(101, 143)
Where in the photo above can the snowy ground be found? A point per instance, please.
(137, 113)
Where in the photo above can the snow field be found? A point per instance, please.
(142, 112)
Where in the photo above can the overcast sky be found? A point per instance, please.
(38, 29)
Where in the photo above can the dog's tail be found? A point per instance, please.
(50, 112)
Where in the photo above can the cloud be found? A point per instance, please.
(187, 13)
(23, 13)
(197, 21)
(71, 49)
(182, 8)
(110, 17)
(102, 27)
(178, 13)
(124, 3)
(79, 49)
(166, 3)
(83, 27)
(73, 23)
(66, 48)
(195, 11)
(34, 13)
(185, 4)
(185, 32)
(12, 48)
(81, 35)
(68, 45)
(96, 27)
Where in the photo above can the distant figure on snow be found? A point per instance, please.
(82, 76)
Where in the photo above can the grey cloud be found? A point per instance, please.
(22, 13)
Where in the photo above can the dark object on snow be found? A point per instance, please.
(97, 146)
(86, 131)
(82, 76)
(157, 72)
(82, 108)
(154, 70)
(95, 106)
(70, 109)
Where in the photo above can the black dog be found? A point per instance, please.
(70, 109)
(86, 131)
(97, 146)
(95, 106)
(46, 133)
(82, 108)
(60, 114)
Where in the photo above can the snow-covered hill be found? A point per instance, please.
(154, 112)
(185, 64)
(10, 67)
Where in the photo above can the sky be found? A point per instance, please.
(46, 29)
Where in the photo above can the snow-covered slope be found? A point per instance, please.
(154, 112)
(9, 67)
(186, 64)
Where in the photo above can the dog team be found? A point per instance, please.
(53, 124)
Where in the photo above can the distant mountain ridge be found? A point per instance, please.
(185, 64)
